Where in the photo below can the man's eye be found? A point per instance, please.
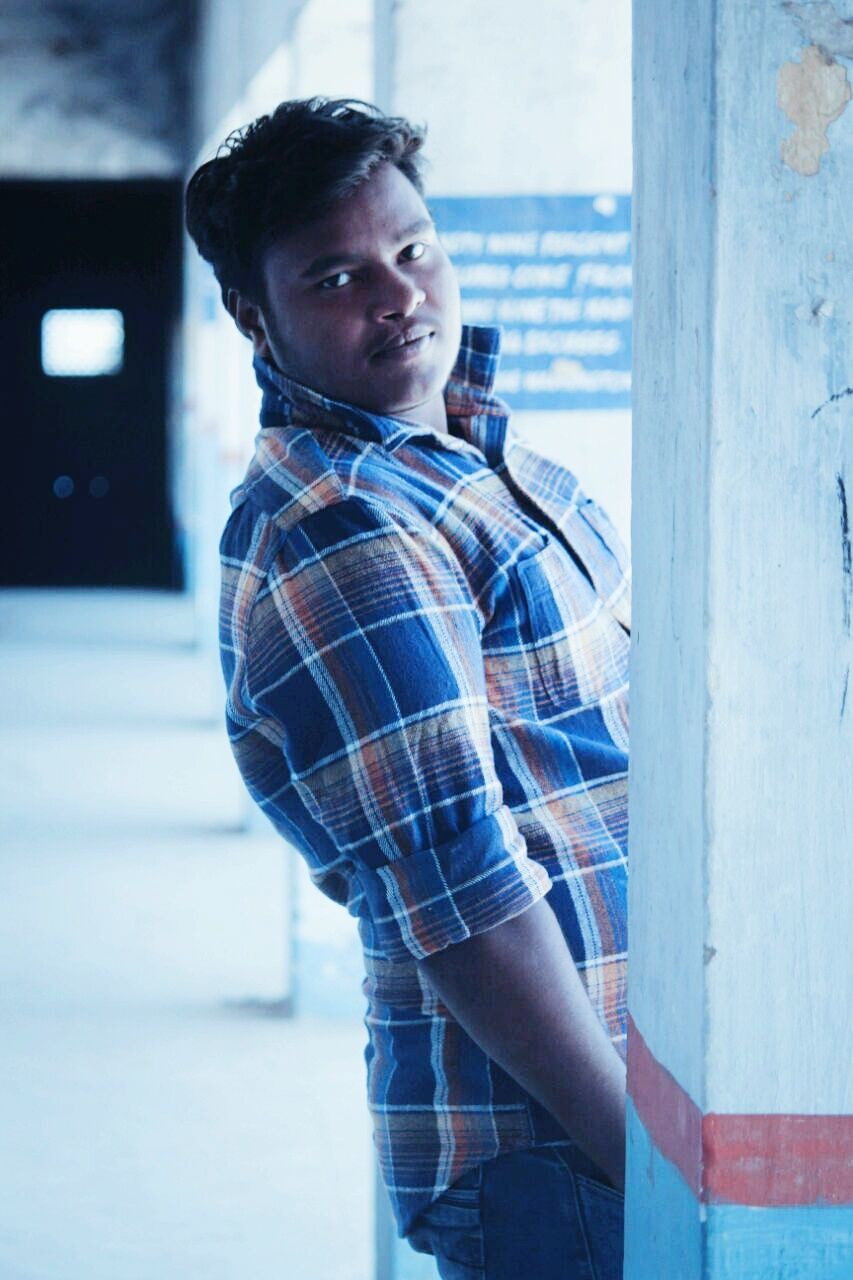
(413, 251)
(337, 281)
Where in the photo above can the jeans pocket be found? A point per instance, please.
(451, 1229)
(602, 1209)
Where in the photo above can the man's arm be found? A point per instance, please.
(517, 993)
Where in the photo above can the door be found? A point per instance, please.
(90, 275)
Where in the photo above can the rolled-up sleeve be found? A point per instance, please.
(365, 655)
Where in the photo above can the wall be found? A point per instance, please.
(267, 55)
(525, 101)
(249, 60)
(235, 41)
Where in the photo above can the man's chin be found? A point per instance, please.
(403, 397)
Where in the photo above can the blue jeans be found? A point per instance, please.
(541, 1214)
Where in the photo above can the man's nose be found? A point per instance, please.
(396, 295)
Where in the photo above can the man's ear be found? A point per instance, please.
(249, 319)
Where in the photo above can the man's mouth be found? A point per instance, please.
(404, 344)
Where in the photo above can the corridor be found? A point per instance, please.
(159, 1120)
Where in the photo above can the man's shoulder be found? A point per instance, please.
(285, 541)
(297, 471)
(291, 474)
(303, 480)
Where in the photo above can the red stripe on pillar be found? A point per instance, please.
(778, 1160)
(760, 1160)
(671, 1117)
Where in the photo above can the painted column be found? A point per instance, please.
(740, 1127)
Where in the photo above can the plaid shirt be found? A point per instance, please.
(424, 640)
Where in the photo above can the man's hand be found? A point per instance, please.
(517, 993)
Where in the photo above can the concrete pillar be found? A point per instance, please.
(740, 1133)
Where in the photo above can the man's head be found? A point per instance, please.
(314, 221)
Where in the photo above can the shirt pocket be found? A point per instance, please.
(578, 650)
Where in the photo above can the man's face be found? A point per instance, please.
(363, 305)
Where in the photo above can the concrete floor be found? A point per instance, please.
(159, 1121)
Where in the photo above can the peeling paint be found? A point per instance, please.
(815, 311)
(846, 552)
(838, 395)
(822, 26)
(812, 93)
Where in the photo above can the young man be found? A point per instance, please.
(424, 636)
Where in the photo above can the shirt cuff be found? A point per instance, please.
(425, 902)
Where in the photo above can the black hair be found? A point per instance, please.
(285, 170)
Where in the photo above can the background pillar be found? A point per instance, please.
(523, 101)
(533, 101)
(741, 1138)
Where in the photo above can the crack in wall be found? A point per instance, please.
(839, 395)
(844, 692)
(846, 552)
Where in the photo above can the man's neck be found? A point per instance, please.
(432, 414)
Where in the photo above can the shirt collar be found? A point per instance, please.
(475, 416)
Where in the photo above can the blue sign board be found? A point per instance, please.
(554, 273)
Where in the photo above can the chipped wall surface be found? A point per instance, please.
(89, 90)
(812, 93)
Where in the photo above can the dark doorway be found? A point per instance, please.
(86, 394)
